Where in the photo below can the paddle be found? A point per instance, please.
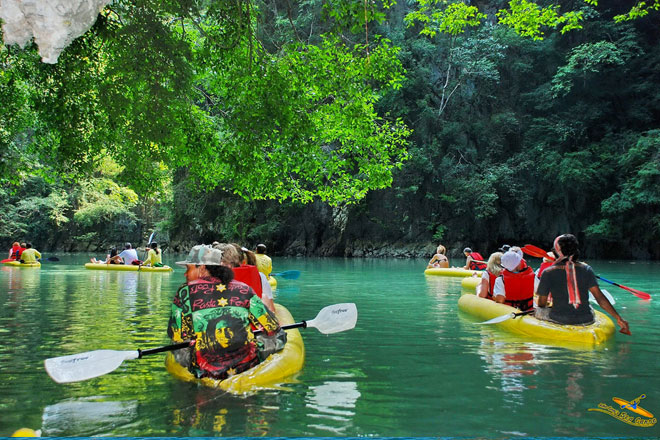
(637, 293)
(82, 366)
(506, 317)
(287, 274)
(607, 294)
(536, 251)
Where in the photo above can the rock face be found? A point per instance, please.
(54, 24)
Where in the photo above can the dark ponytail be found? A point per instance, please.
(569, 246)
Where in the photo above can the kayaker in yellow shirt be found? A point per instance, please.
(154, 257)
(29, 255)
(264, 263)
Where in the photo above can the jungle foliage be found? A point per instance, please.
(322, 126)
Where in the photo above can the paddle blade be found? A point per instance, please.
(83, 366)
(288, 274)
(535, 251)
(498, 319)
(637, 293)
(335, 318)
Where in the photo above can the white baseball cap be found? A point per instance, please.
(511, 260)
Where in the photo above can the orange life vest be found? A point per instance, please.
(250, 276)
(519, 288)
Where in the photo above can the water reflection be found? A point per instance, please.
(333, 402)
(211, 412)
(86, 416)
(509, 363)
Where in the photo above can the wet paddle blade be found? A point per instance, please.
(83, 366)
(637, 293)
(499, 319)
(287, 274)
(335, 318)
(607, 294)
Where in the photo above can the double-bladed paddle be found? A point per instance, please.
(82, 366)
(287, 274)
(536, 251)
(506, 317)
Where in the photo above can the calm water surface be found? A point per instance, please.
(413, 366)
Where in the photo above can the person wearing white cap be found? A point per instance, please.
(215, 311)
(515, 286)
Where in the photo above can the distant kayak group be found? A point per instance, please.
(550, 302)
(22, 255)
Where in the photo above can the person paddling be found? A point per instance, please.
(215, 311)
(154, 257)
(29, 255)
(473, 260)
(14, 251)
(570, 281)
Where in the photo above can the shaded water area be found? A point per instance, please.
(413, 366)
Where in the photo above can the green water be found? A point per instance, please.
(413, 366)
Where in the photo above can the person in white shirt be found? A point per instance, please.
(129, 254)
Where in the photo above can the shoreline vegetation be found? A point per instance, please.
(352, 129)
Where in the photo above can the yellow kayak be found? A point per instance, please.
(451, 272)
(273, 282)
(19, 264)
(274, 369)
(127, 267)
(484, 309)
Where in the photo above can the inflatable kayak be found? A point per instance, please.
(127, 267)
(484, 309)
(19, 264)
(451, 272)
(274, 369)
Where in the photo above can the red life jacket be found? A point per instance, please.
(474, 265)
(491, 285)
(519, 288)
(15, 251)
(544, 266)
(250, 276)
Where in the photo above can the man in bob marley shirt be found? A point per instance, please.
(219, 313)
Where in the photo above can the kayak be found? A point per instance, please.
(274, 369)
(273, 282)
(484, 309)
(127, 267)
(19, 264)
(451, 272)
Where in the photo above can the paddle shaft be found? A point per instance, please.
(302, 324)
(165, 348)
(185, 344)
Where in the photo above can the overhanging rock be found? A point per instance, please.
(54, 24)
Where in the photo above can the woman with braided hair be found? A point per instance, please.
(570, 281)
